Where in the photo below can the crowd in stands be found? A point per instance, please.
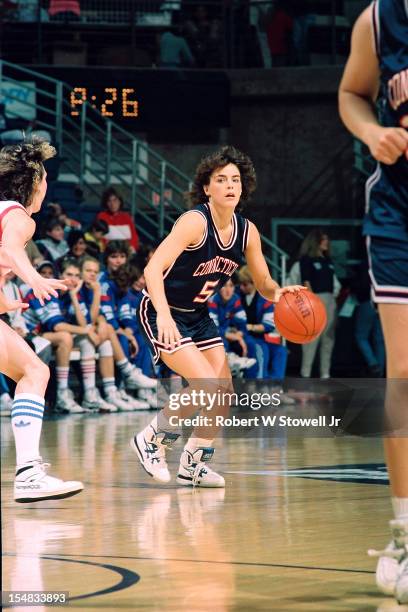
(199, 34)
(95, 318)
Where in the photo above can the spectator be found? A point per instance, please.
(114, 285)
(226, 311)
(56, 210)
(53, 246)
(367, 330)
(127, 316)
(76, 248)
(120, 223)
(317, 273)
(279, 30)
(174, 51)
(33, 253)
(47, 322)
(75, 314)
(261, 326)
(104, 338)
(64, 10)
(203, 34)
(95, 244)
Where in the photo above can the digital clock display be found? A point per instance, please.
(114, 101)
(143, 99)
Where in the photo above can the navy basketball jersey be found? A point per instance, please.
(201, 269)
(387, 188)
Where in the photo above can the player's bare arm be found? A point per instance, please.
(358, 92)
(18, 229)
(188, 230)
(258, 267)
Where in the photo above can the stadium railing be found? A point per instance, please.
(95, 152)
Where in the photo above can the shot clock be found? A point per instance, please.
(143, 99)
(114, 102)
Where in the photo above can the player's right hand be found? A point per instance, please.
(167, 332)
(45, 288)
(387, 144)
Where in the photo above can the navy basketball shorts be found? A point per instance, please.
(196, 329)
(388, 267)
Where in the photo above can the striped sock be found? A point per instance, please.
(26, 422)
(124, 366)
(108, 385)
(62, 377)
(88, 374)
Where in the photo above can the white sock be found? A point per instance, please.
(400, 506)
(26, 421)
(194, 443)
(124, 366)
(108, 384)
(160, 423)
(62, 377)
(88, 374)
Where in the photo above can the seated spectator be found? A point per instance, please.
(56, 210)
(76, 248)
(120, 223)
(226, 311)
(261, 326)
(91, 293)
(47, 322)
(128, 318)
(53, 246)
(65, 10)
(33, 253)
(115, 284)
(95, 245)
(174, 51)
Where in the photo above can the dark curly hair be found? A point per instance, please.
(221, 158)
(111, 191)
(21, 169)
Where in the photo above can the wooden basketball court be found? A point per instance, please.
(290, 531)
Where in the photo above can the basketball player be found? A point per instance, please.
(203, 250)
(378, 64)
(22, 189)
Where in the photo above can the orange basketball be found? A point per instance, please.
(300, 317)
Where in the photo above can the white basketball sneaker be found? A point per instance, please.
(150, 446)
(94, 401)
(137, 380)
(32, 484)
(194, 471)
(66, 402)
(390, 566)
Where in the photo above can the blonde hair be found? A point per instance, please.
(244, 275)
(22, 169)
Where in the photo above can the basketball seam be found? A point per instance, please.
(296, 315)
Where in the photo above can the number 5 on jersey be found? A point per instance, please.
(206, 292)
